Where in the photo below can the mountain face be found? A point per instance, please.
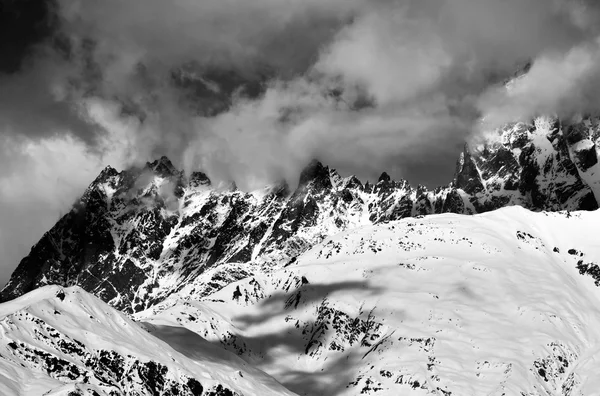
(542, 166)
(504, 303)
(66, 342)
(138, 236)
(334, 287)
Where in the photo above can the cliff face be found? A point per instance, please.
(541, 166)
(140, 235)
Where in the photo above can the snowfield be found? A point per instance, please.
(67, 342)
(503, 303)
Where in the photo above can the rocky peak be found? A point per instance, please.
(106, 173)
(352, 182)
(528, 164)
(316, 176)
(198, 179)
(385, 178)
(467, 175)
(385, 185)
(163, 167)
(421, 189)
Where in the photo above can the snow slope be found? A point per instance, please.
(504, 303)
(58, 341)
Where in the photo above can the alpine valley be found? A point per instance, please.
(157, 282)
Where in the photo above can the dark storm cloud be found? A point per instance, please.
(275, 34)
(23, 25)
(32, 100)
(423, 68)
(365, 85)
(429, 70)
(36, 102)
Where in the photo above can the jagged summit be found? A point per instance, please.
(534, 165)
(316, 174)
(137, 237)
(163, 167)
(198, 179)
(384, 177)
(105, 174)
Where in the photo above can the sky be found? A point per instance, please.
(365, 86)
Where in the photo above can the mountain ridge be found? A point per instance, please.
(333, 287)
(138, 235)
(64, 341)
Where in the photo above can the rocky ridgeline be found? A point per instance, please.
(137, 236)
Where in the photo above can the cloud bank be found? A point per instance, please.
(251, 91)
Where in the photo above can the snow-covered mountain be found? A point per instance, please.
(67, 342)
(334, 287)
(504, 303)
(139, 235)
(545, 165)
